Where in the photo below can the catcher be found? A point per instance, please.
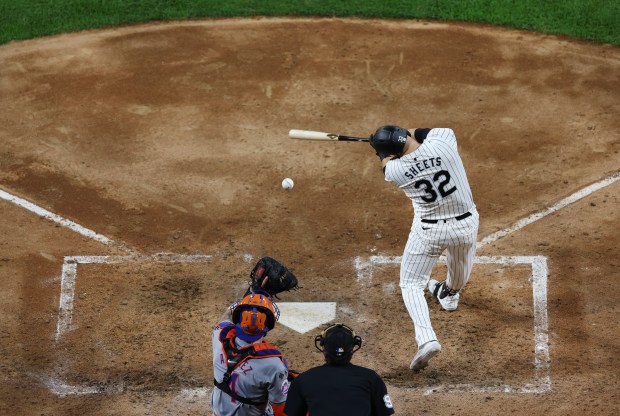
(251, 376)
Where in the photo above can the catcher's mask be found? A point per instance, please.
(338, 342)
(389, 140)
(254, 316)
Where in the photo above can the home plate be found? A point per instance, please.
(305, 316)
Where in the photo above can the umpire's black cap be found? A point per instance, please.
(338, 342)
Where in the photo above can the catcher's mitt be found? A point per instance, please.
(270, 276)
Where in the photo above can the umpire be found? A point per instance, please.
(338, 387)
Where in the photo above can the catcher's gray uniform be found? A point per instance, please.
(259, 379)
(445, 218)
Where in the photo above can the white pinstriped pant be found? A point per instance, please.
(425, 244)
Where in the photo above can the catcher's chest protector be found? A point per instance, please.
(235, 356)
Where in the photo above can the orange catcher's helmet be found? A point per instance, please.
(254, 316)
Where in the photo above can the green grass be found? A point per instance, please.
(594, 20)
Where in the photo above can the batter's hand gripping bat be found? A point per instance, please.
(319, 135)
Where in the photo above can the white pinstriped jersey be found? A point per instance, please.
(433, 177)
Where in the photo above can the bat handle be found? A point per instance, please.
(353, 139)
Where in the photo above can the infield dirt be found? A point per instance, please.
(172, 138)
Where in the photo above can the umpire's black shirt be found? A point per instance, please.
(333, 390)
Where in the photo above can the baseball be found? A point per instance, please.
(288, 183)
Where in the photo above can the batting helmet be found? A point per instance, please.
(338, 342)
(254, 316)
(389, 140)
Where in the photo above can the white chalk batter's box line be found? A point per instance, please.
(538, 279)
(65, 315)
(70, 269)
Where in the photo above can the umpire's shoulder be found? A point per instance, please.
(317, 372)
(367, 372)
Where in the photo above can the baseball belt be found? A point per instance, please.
(460, 217)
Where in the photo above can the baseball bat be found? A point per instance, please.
(319, 135)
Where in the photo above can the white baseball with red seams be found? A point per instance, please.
(445, 218)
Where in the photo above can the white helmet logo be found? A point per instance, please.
(402, 139)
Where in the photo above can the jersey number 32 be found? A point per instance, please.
(441, 180)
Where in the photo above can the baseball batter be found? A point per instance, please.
(426, 165)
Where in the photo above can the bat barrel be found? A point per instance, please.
(319, 135)
(311, 135)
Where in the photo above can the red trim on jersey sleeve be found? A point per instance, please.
(278, 409)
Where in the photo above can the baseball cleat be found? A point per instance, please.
(449, 302)
(427, 351)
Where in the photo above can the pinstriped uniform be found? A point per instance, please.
(434, 178)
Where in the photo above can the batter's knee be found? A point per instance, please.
(415, 284)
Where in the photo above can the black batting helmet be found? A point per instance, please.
(389, 140)
(338, 342)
